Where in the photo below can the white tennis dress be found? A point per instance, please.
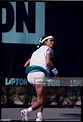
(38, 58)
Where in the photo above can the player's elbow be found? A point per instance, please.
(48, 63)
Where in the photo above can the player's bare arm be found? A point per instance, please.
(48, 61)
(51, 65)
(27, 63)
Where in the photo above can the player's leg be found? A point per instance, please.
(40, 90)
(40, 109)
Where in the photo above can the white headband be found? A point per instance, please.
(48, 37)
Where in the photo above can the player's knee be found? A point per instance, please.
(40, 101)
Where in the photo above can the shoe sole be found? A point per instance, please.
(39, 120)
(23, 116)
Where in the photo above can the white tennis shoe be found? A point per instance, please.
(25, 115)
(39, 118)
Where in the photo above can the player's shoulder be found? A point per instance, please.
(44, 47)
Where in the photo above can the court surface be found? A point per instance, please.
(50, 114)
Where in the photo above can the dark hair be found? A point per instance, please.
(38, 46)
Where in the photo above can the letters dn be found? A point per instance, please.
(23, 22)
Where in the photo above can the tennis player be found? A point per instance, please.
(38, 67)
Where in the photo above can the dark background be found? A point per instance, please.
(63, 21)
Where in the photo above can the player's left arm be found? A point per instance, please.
(27, 63)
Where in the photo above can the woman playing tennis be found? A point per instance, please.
(39, 66)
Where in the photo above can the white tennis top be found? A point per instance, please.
(39, 56)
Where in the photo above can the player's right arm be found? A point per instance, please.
(50, 64)
(48, 61)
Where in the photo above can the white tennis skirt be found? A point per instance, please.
(35, 77)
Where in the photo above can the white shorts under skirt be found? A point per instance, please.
(35, 77)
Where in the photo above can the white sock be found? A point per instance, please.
(39, 114)
(30, 109)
